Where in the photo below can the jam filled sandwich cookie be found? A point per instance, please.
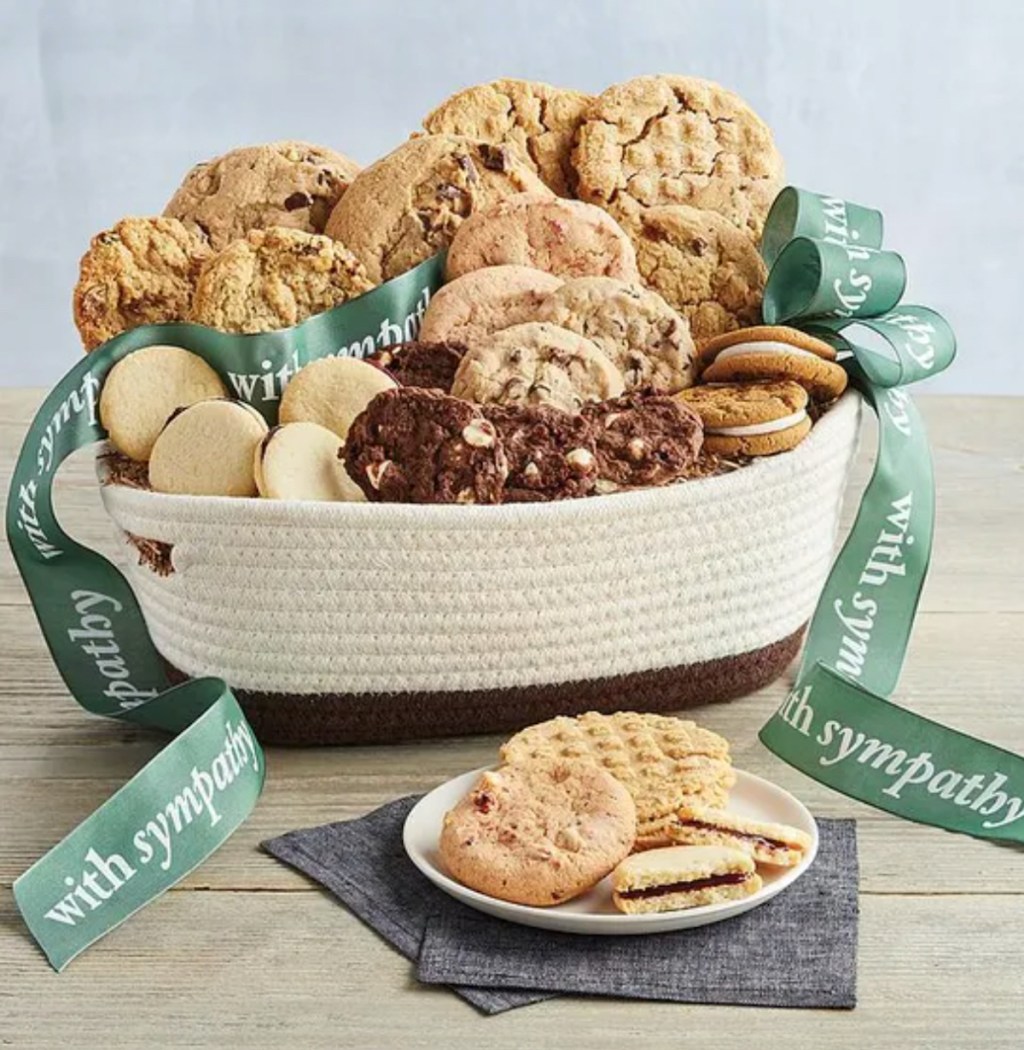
(425, 364)
(777, 844)
(208, 449)
(143, 390)
(301, 461)
(774, 352)
(332, 391)
(750, 419)
(538, 835)
(682, 877)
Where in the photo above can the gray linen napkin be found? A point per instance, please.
(799, 950)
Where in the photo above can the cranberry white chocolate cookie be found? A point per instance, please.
(537, 364)
(302, 461)
(332, 391)
(427, 364)
(208, 449)
(538, 835)
(144, 389)
(562, 237)
(777, 844)
(682, 877)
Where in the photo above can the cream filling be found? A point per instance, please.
(772, 426)
(763, 346)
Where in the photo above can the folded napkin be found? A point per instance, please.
(797, 950)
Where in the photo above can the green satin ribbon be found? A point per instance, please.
(830, 276)
(182, 805)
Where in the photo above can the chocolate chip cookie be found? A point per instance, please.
(422, 364)
(643, 441)
(407, 207)
(273, 279)
(422, 446)
(293, 184)
(551, 453)
(141, 271)
(677, 140)
(538, 120)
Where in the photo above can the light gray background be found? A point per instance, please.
(913, 106)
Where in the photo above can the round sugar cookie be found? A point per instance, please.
(208, 449)
(144, 389)
(303, 461)
(332, 392)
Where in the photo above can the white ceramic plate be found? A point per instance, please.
(594, 912)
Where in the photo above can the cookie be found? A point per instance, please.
(774, 352)
(643, 441)
(645, 338)
(144, 389)
(301, 461)
(407, 207)
(707, 269)
(483, 301)
(538, 835)
(776, 844)
(422, 446)
(208, 449)
(660, 760)
(750, 419)
(682, 877)
(426, 364)
(332, 391)
(273, 279)
(564, 238)
(141, 271)
(551, 453)
(677, 140)
(537, 364)
(292, 184)
(537, 120)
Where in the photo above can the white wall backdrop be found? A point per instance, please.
(914, 106)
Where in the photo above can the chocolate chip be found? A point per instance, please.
(495, 158)
(446, 191)
(698, 246)
(298, 200)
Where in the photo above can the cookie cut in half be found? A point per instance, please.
(777, 844)
(431, 365)
(750, 419)
(774, 352)
(302, 461)
(681, 877)
(332, 391)
(144, 389)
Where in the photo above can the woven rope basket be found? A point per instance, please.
(356, 622)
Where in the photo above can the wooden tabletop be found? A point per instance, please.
(246, 953)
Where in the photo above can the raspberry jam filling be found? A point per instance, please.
(732, 878)
(747, 836)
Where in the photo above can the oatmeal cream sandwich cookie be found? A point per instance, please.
(538, 835)
(302, 461)
(777, 844)
(332, 391)
(424, 363)
(682, 877)
(562, 237)
(774, 352)
(750, 419)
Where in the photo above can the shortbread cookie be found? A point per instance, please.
(294, 184)
(551, 453)
(643, 441)
(427, 364)
(141, 271)
(208, 449)
(538, 120)
(538, 835)
(709, 270)
(677, 140)
(144, 389)
(407, 207)
(682, 877)
(750, 419)
(537, 364)
(777, 844)
(302, 461)
(483, 301)
(422, 446)
(564, 238)
(332, 391)
(661, 760)
(647, 340)
(274, 279)
(774, 352)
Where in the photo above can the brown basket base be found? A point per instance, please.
(376, 718)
